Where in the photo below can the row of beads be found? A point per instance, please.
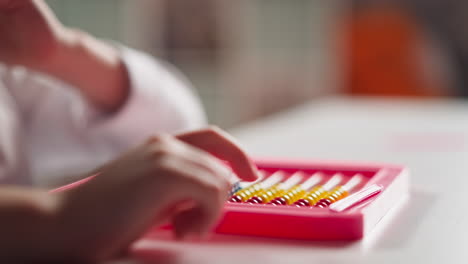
(306, 194)
(312, 197)
(337, 194)
(294, 194)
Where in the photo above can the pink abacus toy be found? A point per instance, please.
(316, 223)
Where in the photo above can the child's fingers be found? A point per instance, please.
(209, 201)
(205, 161)
(187, 222)
(191, 171)
(221, 145)
(190, 181)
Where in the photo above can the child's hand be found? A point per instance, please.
(29, 32)
(32, 36)
(167, 178)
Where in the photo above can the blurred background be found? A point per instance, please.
(251, 58)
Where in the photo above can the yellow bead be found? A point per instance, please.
(312, 199)
(265, 196)
(292, 194)
(337, 194)
(249, 192)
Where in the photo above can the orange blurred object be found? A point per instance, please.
(384, 54)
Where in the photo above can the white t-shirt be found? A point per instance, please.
(49, 133)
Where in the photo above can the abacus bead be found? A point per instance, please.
(312, 198)
(302, 202)
(296, 196)
(261, 200)
(324, 203)
(320, 205)
(249, 192)
(293, 191)
(244, 194)
(275, 202)
(344, 194)
(268, 194)
(299, 201)
(334, 197)
(282, 200)
(235, 199)
(255, 200)
(339, 192)
(285, 197)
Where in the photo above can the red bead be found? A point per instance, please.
(255, 200)
(235, 199)
(281, 200)
(320, 205)
(276, 202)
(323, 203)
(302, 202)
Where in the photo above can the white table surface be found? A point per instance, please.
(430, 137)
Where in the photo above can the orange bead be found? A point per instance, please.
(335, 195)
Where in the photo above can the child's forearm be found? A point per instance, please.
(28, 221)
(31, 35)
(36, 225)
(92, 66)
